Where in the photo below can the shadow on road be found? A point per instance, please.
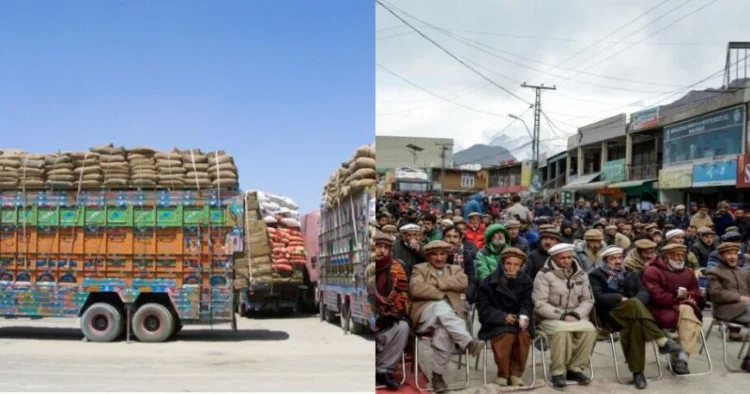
(221, 334)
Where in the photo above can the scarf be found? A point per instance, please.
(635, 261)
(458, 257)
(615, 278)
(383, 270)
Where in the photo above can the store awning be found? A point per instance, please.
(628, 184)
(585, 182)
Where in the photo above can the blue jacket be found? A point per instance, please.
(722, 221)
(475, 205)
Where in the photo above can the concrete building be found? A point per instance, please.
(393, 152)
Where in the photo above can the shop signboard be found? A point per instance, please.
(644, 119)
(705, 137)
(717, 173)
(676, 177)
(526, 173)
(743, 171)
(613, 171)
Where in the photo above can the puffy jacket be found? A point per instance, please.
(475, 205)
(499, 296)
(725, 286)
(722, 221)
(488, 259)
(556, 296)
(476, 236)
(662, 283)
(606, 298)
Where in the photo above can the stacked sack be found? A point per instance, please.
(59, 169)
(142, 165)
(21, 169)
(275, 208)
(114, 164)
(87, 170)
(221, 170)
(352, 177)
(169, 170)
(288, 249)
(196, 166)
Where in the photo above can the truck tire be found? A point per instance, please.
(102, 322)
(356, 328)
(153, 322)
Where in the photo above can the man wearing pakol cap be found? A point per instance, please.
(488, 258)
(389, 286)
(515, 240)
(621, 301)
(383, 218)
(475, 230)
(729, 290)
(505, 309)
(714, 259)
(548, 237)
(407, 248)
(437, 290)
(638, 258)
(677, 236)
(563, 300)
(701, 218)
(391, 230)
(676, 301)
(703, 247)
(679, 218)
(588, 252)
(723, 218)
(612, 237)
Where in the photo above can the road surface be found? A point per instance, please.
(272, 354)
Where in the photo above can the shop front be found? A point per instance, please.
(743, 178)
(586, 186)
(613, 172)
(674, 183)
(712, 136)
(715, 181)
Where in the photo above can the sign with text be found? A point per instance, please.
(718, 173)
(676, 177)
(645, 119)
(705, 137)
(614, 171)
(743, 171)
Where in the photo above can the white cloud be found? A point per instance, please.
(680, 55)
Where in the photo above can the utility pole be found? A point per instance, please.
(537, 120)
(443, 149)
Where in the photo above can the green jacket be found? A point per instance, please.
(433, 235)
(488, 259)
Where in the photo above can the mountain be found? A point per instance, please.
(486, 155)
(520, 147)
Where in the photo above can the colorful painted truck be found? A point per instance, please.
(152, 261)
(344, 253)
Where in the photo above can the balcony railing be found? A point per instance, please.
(554, 183)
(644, 171)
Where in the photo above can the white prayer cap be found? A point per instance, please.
(612, 251)
(559, 248)
(408, 228)
(675, 233)
(447, 223)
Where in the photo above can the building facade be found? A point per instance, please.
(393, 152)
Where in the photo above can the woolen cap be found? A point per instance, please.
(731, 236)
(650, 227)
(446, 223)
(675, 233)
(611, 227)
(471, 215)
(409, 228)
(674, 248)
(512, 223)
(436, 246)
(389, 228)
(728, 246)
(560, 248)
(593, 235)
(612, 251)
(457, 220)
(645, 244)
(705, 231)
(513, 252)
(550, 232)
(732, 229)
(679, 208)
(382, 238)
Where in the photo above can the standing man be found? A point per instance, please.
(475, 230)
(517, 211)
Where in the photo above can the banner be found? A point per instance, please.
(716, 134)
(743, 171)
(613, 171)
(645, 119)
(526, 173)
(718, 173)
(677, 177)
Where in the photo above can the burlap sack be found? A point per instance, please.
(62, 178)
(193, 175)
(86, 163)
(196, 167)
(9, 184)
(112, 159)
(59, 166)
(87, 184)
(141, 176)
(168, 155)
(8, 179)
(365, 151)
(59, 184)
(362, 162)
(143, 151)
(82, 155)
(170, 177)
(33, 183)
(171, 171)
(15, 163)
(223, 175)
(262, 270)
(57, 159)
(107, 149)
(9, 170)
(88, 170)
(168, 163)
(61, 171)
(195, 158)
(223, 167)
(116, 182)
(29, 163)
(224, 183)
(144, 168)
(142, 162)
(365, 173)
(213, 160)
(143, 182)
(93, 177)
(363, 183)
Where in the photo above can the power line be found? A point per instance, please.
(422, 106)
(478, 86)
(450, 54)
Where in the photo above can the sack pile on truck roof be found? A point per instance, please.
(354, 175)
(275, 208)
(111, 167)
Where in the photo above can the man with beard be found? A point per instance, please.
(723, 218)
(488, 258)
(612, 237)
(677, 236)
(475, 230)
(464, 254)
(729, 289)
(620, 302)
(676, 301)
(638, 258)
(549, 237)
(407, 249)
(516, 241)
(703, 247)
(588, 252)
(680, 219)
(390, 288)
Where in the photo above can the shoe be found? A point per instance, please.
(671, 347)
(502, 382)
(736, 336)
(639, 381)
(386, 379)
(578, 377)
(438, 384)
(746, 364)
(517, 382)
(558, 381)
(476, 347)
(680, 367)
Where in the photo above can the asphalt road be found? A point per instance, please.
(271, 354)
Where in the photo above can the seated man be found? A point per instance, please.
(516, 240)
(504, 305)
(562, 299)
(639, 257)
(437, 307)
(588, 252)
(390, 288)
(675, 300)
(729, 290)
(620, 301)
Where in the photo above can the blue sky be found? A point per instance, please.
(286, 86)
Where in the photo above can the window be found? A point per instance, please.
(467, 180)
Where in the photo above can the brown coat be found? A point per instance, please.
(425, 287)
(725, 287)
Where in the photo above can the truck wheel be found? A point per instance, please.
(356, 328)
(102, 322)
(153, 322)
(330, 315)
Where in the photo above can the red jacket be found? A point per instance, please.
(476, 236)
(662, 284)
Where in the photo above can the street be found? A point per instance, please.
(604, 380)
(271, 354)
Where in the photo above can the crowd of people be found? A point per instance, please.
(556, 277)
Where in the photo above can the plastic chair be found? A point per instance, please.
(672, 334)
(424, 336)
(403, 371)
(724, 328)
(488, 346)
